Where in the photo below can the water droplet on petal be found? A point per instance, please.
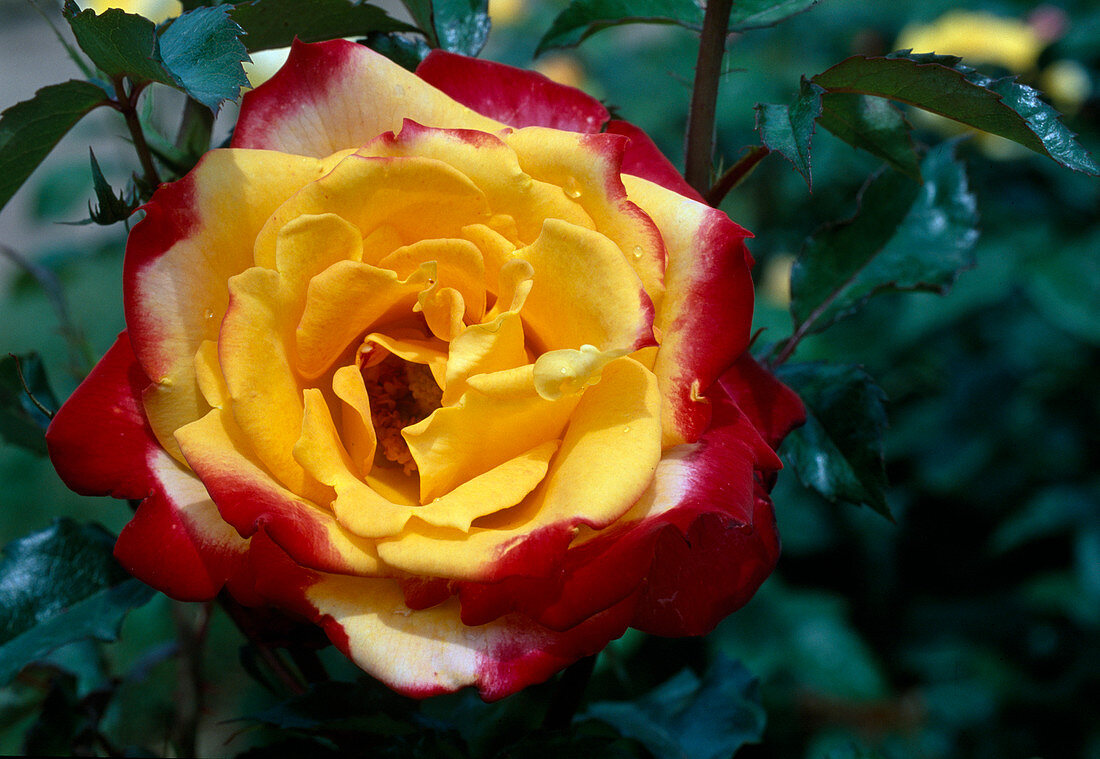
(209, 313)
(626, 429)
(572, 187)
(637, 251)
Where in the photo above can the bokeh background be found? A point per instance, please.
(969, 626)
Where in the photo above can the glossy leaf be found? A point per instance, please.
(583, 18)
(403, 50)
(872, 124)
(704, 719)
(272, 24)
(942, 84)
(904, 236)
(29, 130)
(838, 452)
(203, 50)
(22, 423)
(459, 26)
(60, 585)
(757, 14)
(119, 44)
(789, 129)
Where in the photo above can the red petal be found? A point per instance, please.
(644, 159)
(516, 97)
(99, 441)
(772, 407)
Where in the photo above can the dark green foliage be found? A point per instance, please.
(458, 26)
(60, 585)
(838, 452)
(903, 237)
(203, 50)
(22, 422)
(271, 24)
(403, 50)
(942, 84)
(583, 18)
(111, 208)
(872, 124)
(789, 129)
(120, 44)
(29, 130)
(708, 718)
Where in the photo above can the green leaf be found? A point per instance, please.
(363, 707)
(22, 423)
(838, 452)
(203, 50)
(583, 18)
(119, 44)
(1063, 282)
(29, 130)
(688, 717)
(942, 84)
(272, 24)
(60, 585)
(904, 236)
(112, 208)
(872, 124)
(757, 14)
(406, 52)
(789, 129)
(461, 26)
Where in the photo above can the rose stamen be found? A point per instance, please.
(401, 393)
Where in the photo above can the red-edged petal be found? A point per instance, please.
(177, 541)
(711, 484)
(330, 96)
(99, 440)
(101, 444)
(772, 407)
(644, 159)
(516, 97)
(427, 652)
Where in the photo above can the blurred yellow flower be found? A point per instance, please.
(1067, 83)
(977, 37)
(563, 69)
(506, 11)
(155, 10)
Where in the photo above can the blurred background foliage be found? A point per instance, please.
(969, 626)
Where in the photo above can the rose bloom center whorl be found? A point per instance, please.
(445, 362)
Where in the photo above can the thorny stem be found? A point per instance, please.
(126, 104)
(736, 174)
(699, 148)
(569, 694)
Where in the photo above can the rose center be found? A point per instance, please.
(401, 393)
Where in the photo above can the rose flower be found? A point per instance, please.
(445, 363)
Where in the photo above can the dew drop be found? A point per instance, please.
(572, 187)
(637, 251)
(209, 313)
(626, 429)
(563, 370)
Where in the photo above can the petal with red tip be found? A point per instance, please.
(516, 97)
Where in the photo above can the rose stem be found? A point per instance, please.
(191, 633)
(699, 148)
(126, 104)
(736, 174)
(569, 694)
